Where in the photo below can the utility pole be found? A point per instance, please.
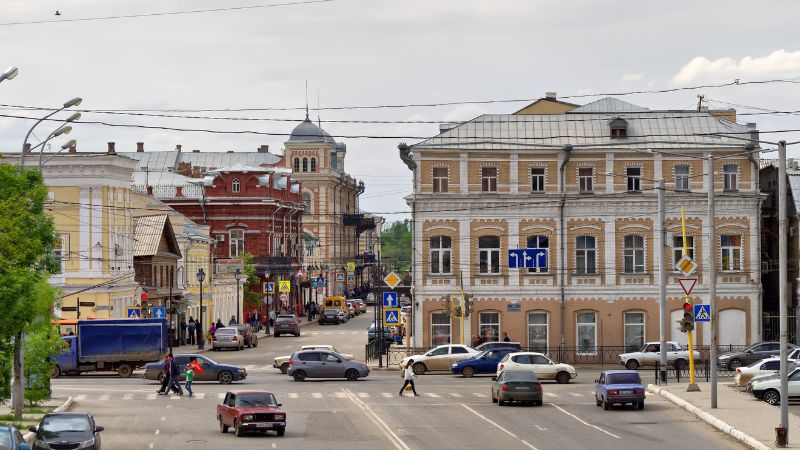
(662, 281)
(783, 431)
(712, 279)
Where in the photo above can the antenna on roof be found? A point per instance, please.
(319, 120)
(306, 99)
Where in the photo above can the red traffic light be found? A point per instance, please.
(687, 307)
(144, 296)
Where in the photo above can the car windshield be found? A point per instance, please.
(520, 375)
(57, 424)
(5, 438)
(482, 354)
(256, 399)
(624, 378)
(226, 331)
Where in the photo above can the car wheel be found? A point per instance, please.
(419, 368)
(297, 334)
(237, 430)
(281, 431)
(641, 405)
(734, 364)
(284, 367)
(299, 375)
(276, 334)
(772, 397)
(351, 375)
(606, 405)
(632, 364)
(538, 403)
(55, 371)
(225, 377)
(222, 427)
(124, 371)
(562, 377)
(468, 372)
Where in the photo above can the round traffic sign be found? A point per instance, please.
(284, 297)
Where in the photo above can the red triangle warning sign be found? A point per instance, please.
(687, 284)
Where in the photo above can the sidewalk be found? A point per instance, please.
(750, 421)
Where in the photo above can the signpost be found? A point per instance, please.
(268, 288)
(340, 276)
(390, 300)
(284, 286)
(686, 266)
(351, 279)
(527, 258)
(392, 280)
(132, 312)
(351, 267)
(159, 312)
(702, 313)
(391, 317)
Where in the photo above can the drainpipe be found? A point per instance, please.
(562, 239)
(751, 147)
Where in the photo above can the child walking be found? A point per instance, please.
(408, 377)
(190, 375)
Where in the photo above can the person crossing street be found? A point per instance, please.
(408, 377)
(174, 375)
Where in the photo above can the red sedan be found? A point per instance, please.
(246, 411)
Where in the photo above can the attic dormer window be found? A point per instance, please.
(619, 128)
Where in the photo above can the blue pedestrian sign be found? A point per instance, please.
(134, 313)
(268, 288)
(390, 300)
(527, 258)
(391, 317)
(702, 313)
(340, 276)
(158, 312)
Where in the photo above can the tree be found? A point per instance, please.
(396, 245)
(252, 298)
(26, 259)
(39, 345)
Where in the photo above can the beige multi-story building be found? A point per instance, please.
(580, 183)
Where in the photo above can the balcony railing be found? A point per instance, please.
(361, 223)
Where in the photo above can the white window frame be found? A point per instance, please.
(538, 179)
(297, 164)
(633, 347)
(677, 248)
(584, 253)
(634, 181)
(489, 182)
(439, 253)
(441, 183)
(305, 164)
(445, 325)
(585, 182)
(590, 348)
(313, 164)
(631, 252)
(532, 345)
(682, 179)
(730, 251)
(235, 244)
(484, 324)
(535, 242)
(236, 185)
(489, 254)
(62, 253)
(730, 181)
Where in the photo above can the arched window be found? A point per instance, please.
(297, 164)
(633, 254)
(305, 164)
(634, 330)
(307, 202)
(489, 326)
(440, 328)
(236, 186)
(586, 328)
(313, 164)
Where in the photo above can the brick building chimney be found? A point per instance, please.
(263, 149)
(178, 148)
(140, 147)
(111, 150)
(149, 190)
(178, 191)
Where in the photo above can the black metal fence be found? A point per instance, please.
(702, 372)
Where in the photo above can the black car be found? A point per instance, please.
(329, 316)
(756, 352)
(286, 324)
(67, 430)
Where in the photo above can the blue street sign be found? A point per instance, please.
(320, 281)
(134, 313)
(390, 300)
(391, 317)
(702, 313)
(313, 282)
(269, 288)
(527, 258)
(340, 276)
(158, 312)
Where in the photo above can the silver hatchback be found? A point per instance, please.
(228, 337)
(324, 364)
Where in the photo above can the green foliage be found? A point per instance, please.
(6, 353)
(39, 345)
(251, 298)
(396, 245)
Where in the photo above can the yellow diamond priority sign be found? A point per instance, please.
(392, 280)
(686, 266)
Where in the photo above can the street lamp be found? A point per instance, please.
(201, 343)
(238, 276)
(9, 73)
(74, 102)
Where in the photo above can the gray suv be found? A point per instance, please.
(286, 324)
(324, 364)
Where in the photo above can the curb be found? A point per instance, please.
(28, 437)
(710, 419)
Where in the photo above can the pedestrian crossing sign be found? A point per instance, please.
(391, 317)
(133, 313)
(284, 286)
(268, 288)
(702, 313)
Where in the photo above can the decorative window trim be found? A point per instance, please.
(738, 174)
(499, 249)
(644, 254)
(236, 185)
(577, 339)
(625, 326)
(741, 251)
(596, 253)
(528, 325)
(540, 165)
(585, 165)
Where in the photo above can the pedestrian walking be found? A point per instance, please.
(505, 337)
(232, 321)
(220, 324)
(191, 328)
(408, 377)
(184, 326)
(174, 375)
(211, 332)
(271, 318)
(189, 374)
(164, 376)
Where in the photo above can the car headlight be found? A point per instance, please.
(247, 417)
(87, 444)
(242, 370)
(280, 417)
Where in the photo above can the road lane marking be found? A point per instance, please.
(294, 395)
(200, 395)
(103, 397)
(79, 398)
(478, 394)
(583, 421)
(158, 431)
(341, 395)
(152, 396)
(431, 394)
(274, 445)
(455, 394)
(498, 426)
(393, 438)
(163, 418)
(220, 395)
(576, 394)
(151, 445)
(316, 395)
(550, 394)
(127, 397)
(386, 394)
(363, 394)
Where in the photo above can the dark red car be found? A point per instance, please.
(251, 411)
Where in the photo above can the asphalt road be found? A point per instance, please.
(452, 412)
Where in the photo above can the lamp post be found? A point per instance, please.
(9, 73)
(238, 276)
(74, 102)
(201, 343)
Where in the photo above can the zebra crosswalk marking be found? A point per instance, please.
(294, 395)
(455, 394)
(363, 394)
(127, 397)
(478, 394)
(82, 397)
(103, 397)
(341, 395)
(316, 395)
(431, 394)
(220, 395)
(386, 395)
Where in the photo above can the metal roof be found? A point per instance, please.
(169, 160)
(651, 129)
(608, 104)
(162, 178)
(147, 233)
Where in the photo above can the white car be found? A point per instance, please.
(768, 388)
(541, 365)
(651, 353)
(766, 366)
(282, 362)
(439, 358)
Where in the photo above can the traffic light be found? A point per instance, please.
(687, 323)
(446, 300)
(467, 304)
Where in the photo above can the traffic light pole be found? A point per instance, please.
(783, 434)
(712, 279)
(662, 282)
(693, 387)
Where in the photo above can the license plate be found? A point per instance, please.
(523, 388)
(627, 391)
(264, 425)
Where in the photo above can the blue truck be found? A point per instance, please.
(120, 345)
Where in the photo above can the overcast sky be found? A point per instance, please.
(379, 52)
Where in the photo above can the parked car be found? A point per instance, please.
(373, 332)
(282, 362)
(538, 363)
(619, 387)
(251, 411)
(343, 316)
(286, 324)
(11, 439)
(767, 366)
(325, 364)
(439, 358)
(517, 386)
(329, 316)
(484, 362)
(227, 337)
(651, 353)
(755, 352)
(212, 371)
(250, 338)
(370, 299)
(67, 430)
(354, 309)
(498, 344)
(768, 388)
(361, 305)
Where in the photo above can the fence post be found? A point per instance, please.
(656, 373)
(707, 370)
(677, 372)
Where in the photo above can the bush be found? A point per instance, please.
(39, 345)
